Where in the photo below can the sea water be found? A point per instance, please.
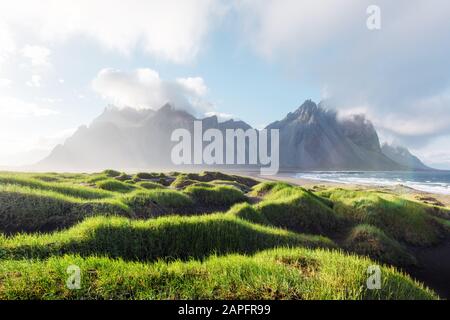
(429, 181)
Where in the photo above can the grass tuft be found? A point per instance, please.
(150, 185)
(273, 274)
(296, 209)
(111, 173)
(166, 237)
(373, 242)
(402, 219)
(97, 219)
(114, 185)
(215, 195)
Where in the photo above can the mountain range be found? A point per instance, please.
(311, 138)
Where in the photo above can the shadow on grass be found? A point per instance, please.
(164, 238)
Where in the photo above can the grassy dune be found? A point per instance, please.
(369, 240)
(274, 274)
(404, 220)
(298, 210)
(167, 237)
(215, 195)
(29, 204)
(68, 190)
(29, 209)
(208, 235)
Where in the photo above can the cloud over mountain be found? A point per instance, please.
(144, 88)
(255, 55)
(397, 74)
(311, 138)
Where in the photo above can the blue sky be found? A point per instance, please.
(239, 83)
(62, 62)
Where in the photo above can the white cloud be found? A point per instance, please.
(5, 83)
(13, 108)
(143, 88)
(288, 27)
(38, 55)
(414, 125)
(49, 141)
(51, 100)
(195, 85)
(26, 149)
(172, 30)
(35, 81)
(399, 73)
(435, 153)
(7, 43)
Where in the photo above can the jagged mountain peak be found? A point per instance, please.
(167, 107)
(126, 116)
(312, 138)
(210, 121)
(309, 112)
(169, 110)
(235, 124)
(308, 107)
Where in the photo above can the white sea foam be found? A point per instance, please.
(428, 182)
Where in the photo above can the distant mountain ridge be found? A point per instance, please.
(311, 138)
(402, 156)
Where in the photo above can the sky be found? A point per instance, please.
(63, 61)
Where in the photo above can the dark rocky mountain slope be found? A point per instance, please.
(311, 138)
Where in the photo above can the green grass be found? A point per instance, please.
(263, 188)
(373, 242)
(274, 274)
(182, 182)
(248, 212)
(111, 173)
(114, 185)
(94, 178)
(149, 185)
(296, 209)
(28, 209)
(167, 237)
(157, 202)
(235, 184)
(402, 219)
(123, 177)
(76, 191)
(29, 204)
(149, 175)
(215, 195)
(186, 179)
(98, 220)
(57, 177)
(208, 176)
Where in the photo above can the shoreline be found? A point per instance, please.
(418, 247)
(433, 261)
(411, 193)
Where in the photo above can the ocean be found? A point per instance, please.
(429, 181)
